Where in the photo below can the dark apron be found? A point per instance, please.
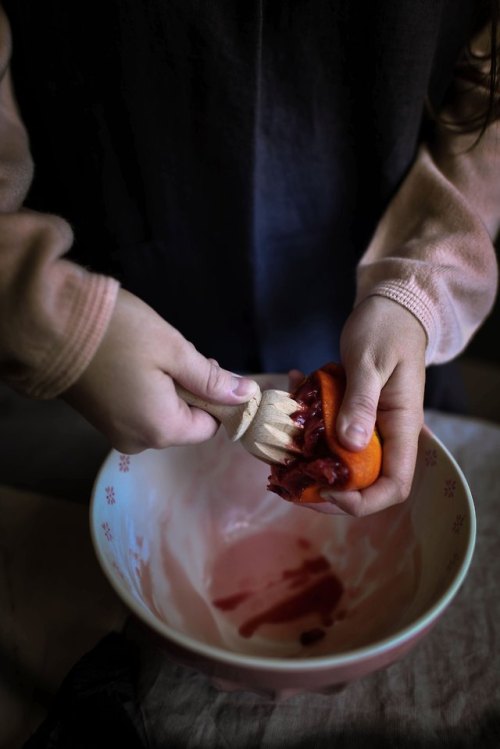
(228, 161)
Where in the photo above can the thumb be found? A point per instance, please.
(205, 378)
(358, 412)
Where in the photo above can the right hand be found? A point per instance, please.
(128, 393)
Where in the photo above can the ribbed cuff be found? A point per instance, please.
(409, 296)
(91, 311)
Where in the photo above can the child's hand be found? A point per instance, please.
(128, 393)
(383, 353)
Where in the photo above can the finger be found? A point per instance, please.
(295, 377)
(164, 420)
(358, 411)
(191, 425)
(205, 378)
(326, 508)
(400, 421)
(382, 494)
(400, 429)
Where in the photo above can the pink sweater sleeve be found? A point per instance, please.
(53, 313)
(433, 251)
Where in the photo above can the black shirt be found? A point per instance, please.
(228, 161)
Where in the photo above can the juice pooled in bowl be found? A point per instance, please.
(316, 589)
(286, 592)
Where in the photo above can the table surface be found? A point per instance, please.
(444, 693)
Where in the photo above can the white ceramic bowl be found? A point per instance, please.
(262, 594)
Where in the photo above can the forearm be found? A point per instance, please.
(433, 249)
(53, 313)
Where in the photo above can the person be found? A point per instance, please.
(258, 186)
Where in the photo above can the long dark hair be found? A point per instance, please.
(481, 68)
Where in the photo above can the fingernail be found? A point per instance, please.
(243, 387)
(333, 504)
(356, 433)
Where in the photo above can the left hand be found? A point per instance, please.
(383, 354)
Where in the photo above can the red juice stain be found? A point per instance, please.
(301, 588)
(321, 598)
(311, 636)
(299, 576)
(309, 566)
(231, 602)
(303, 543)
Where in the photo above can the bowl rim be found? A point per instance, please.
(355, 656)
